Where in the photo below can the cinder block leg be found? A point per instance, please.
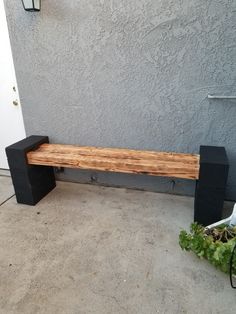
(31, 183)
(210, 188)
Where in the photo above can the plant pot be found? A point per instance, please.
(216, 245)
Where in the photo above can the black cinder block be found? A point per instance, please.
(16, 153)
(213, 155)
(208, 205)
(37, 175)
(30, 195)
(210, 188)
(214, 167)
(31, 182)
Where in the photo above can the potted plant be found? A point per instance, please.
(216, 244)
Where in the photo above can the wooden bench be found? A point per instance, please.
(152, 163)
(31, 163)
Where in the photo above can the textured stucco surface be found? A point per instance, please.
(129, 74)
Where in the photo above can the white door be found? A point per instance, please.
(11, 120)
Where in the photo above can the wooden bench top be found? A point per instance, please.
(153, 163)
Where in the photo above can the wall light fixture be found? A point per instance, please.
(31, 5)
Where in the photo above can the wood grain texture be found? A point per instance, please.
(153, 163)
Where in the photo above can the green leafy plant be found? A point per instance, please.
(216, 244)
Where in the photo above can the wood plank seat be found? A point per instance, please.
(31, 163)
(178, 165)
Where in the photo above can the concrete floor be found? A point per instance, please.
(88, 249)
(6, 188)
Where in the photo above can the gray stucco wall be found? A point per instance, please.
(131, 74)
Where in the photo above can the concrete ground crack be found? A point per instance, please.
(7, 200)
